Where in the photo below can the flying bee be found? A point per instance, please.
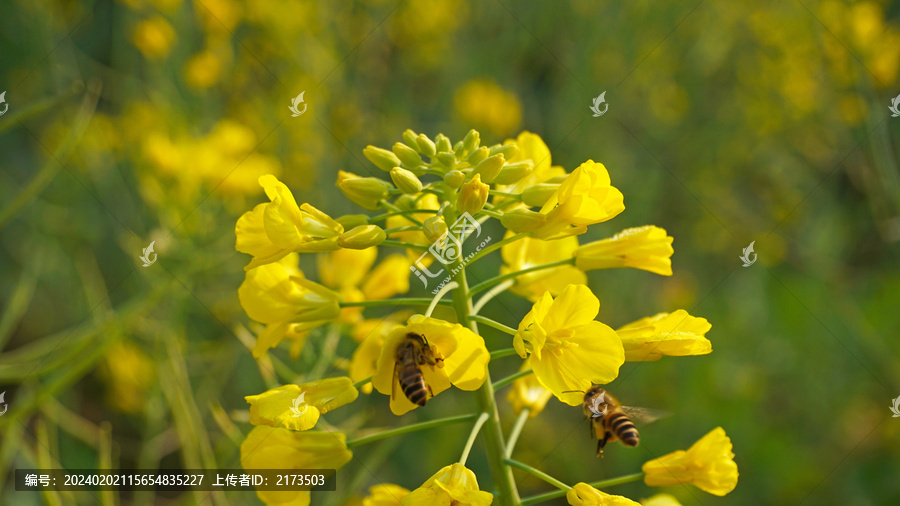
(413, 353)
(610, 420)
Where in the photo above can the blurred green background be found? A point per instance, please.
(729, 122)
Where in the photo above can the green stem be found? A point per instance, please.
(505, 352)
(490, 213)
(385, 216)
(491, 323)
(391, 207)
(597, 484)
(410, 228)
(477, 428)
(509, 379)
(516, 431)
(496, 246)
(402, 244)
(409, 301)
(507, 493)
(362, 382)
(410, 428)
(493, 292)
(499, 279)
(540, 474)
(440, 296)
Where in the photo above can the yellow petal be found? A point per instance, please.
(385, 494)
(648, 248)
(529, 252)
(575, 306)
(252, 239)
(277, 292)
(708, 464)
(661, 500)
(583, 494)
(672, 334)
(345, 268)
(390, 277)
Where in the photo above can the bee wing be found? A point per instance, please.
(644, 415)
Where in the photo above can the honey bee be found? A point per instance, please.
(413, 353)
(610, 420)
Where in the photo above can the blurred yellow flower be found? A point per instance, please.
(585, 197)
(528, 393)
(463, 354)
(349, 271)
(274, 333)
(297, 407)
(569, 349)
(129, 375)
(674, 334)
(648, 248)
(484, 104)
(273, 230)
(532, 147)
(583, 494)
(708, 464)
(154, 37)
(660, 500)
(385, 494)
(276, 448)
(202, 70)
(452, 485)
(529, 252)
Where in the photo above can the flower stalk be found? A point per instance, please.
(410, 428)
(628, 478)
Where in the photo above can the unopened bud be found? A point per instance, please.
(513, 172)
(352, 220)
(478, 155)
(382, 158)
(458, 148)
(490, 167)
(522, 220)
(362, 237)
(507, 150)
(426, 145)
(405, 180)
(363, 191)
(434, 227)
(454, 179)
(472, 140)
(447, 159)
(472, 196)
(539, 194)
(407, 155)
(442, 143)
(410, 138)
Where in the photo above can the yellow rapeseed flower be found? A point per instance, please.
(278, 292)
(708, 464)
(528, 252)
(271, 231)
(297, 407)
(585, 197)
(452, 485)
(674, 334)
(203, 70)
(484, 104)
(648, 248)
(129, 375)
(272, 335)
(569, 349)
(660, 500)
(386, 494)
(276, 448)
(583, 494)
(154, 37)
(464, 356)
(532, 147)
(350, 273)
(528, 393)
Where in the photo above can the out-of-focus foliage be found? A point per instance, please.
(728, 122)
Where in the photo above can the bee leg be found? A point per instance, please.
(601, 443)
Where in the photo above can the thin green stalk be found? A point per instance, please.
(439, 296)
(391, 207)
(403, 244)
(509, 379)
(410, 228)
(512, 275)
(540, 474)
(597, 484)
(496, 246)
(516, 431)
(410, 301)
(362, 382)
(491, 323)
(492, 214)
(475, 429)
(505, 352)
(493, 292)
(410, 428)
(507, 493)
(385, 216)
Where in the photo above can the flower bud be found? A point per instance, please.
(442, 143)
(472, 140)
(539, 194)
(426, 145)
(405, 202)
(458, 148)
(382, 158)
(454, 179)
(447, 159)
(478, 155)
(489, 168)
(514, 172)
(410, 138)
(434, 227)
(522, 220)
(472, 196)
(407, 155)
(363, 191)
(405, 180)
(507, 150)
(362, 237)
(352, 220)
